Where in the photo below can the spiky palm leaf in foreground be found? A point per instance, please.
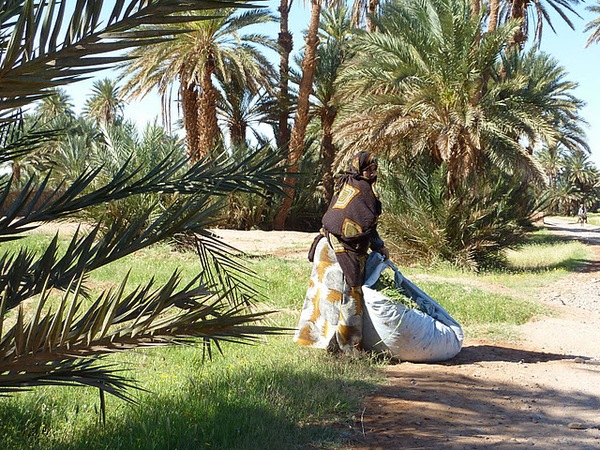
(59, 345)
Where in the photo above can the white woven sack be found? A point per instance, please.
(404, 333)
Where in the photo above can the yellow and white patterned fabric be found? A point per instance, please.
(331, 308)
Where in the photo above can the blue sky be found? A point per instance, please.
(567, 46)
(583, 67)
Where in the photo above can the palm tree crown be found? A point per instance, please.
(420, 81)
(106, 104)
(201, 53)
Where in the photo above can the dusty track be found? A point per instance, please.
(542, 393)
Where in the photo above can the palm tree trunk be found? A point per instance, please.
(492, 25)
(372, 9)
(208, 127)
(286, 44)
(302, 113)
(475, 8)
(237, 133)
(493, 18)
(328, 151)
(518, 12)
(189, 105)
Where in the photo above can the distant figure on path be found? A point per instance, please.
(582, 214)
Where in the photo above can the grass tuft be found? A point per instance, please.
(547, 256)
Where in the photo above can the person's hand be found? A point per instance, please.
(385, 253)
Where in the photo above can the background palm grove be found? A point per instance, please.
(477, 130)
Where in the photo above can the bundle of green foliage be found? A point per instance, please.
(386, 286)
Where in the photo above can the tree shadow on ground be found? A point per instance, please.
(460, 405)
(583, 233)
(488, 353)
(253, 413)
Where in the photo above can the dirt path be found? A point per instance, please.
(542, 393)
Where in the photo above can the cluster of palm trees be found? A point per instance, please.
(469, 95)
(476, 134)
(447, 81)
(486, 99)
(572, 179)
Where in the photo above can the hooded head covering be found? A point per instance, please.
(360, 162)
(357, 165)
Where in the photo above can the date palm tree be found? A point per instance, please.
(363, 12)
(420, 81)
(43, 47)
(241, 109)
(530, 14)
(105, 105)
(336, 34)
(58, 105)
(55, 111)
(302, 116)
(550, 160)
(580, 172)
(218, 47)
(285, 42)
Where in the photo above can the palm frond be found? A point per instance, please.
(47, 44)
(54, 346)
(41, 50)
(218, 176)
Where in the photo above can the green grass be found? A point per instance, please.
(547, 256)
(273, 394)
(279, 397)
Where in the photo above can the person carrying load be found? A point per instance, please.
(350, 228)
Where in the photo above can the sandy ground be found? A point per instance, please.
(542, 392)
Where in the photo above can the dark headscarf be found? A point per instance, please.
(357, 165)
(353, 212)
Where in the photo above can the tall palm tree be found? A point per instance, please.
(53, 112)
(530, 13)
(363, 12)
(550, 160)
(61, 345)
(56, 105)
(105, 104)
(285, 42)
(580, 172)
(336, 34)
(419, 81)
(242, 109)
(302, 115)
(201, 52)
